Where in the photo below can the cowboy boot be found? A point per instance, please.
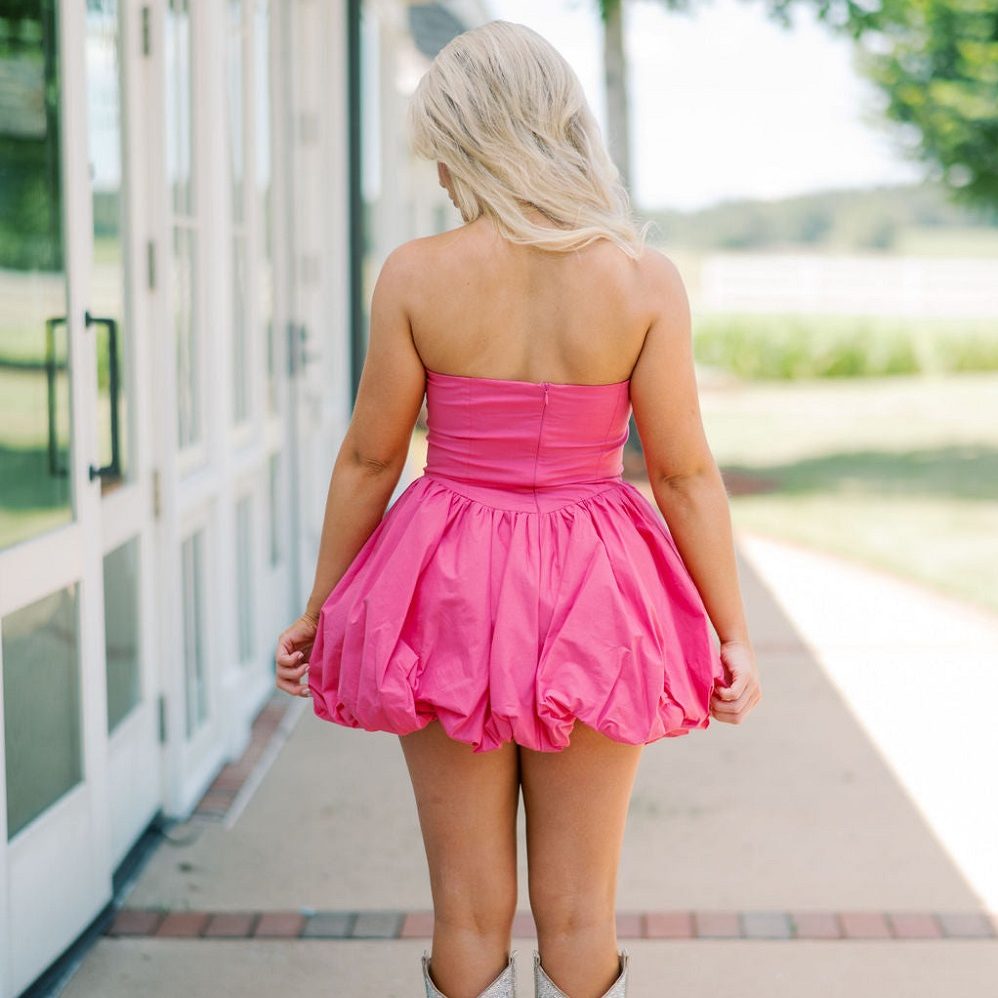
(546, 988)
(504, 986)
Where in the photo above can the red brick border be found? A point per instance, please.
(230, 778)
(849, 926)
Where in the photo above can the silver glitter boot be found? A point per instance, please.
(504, 986)
(546, 988)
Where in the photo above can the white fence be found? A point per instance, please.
(848, 285)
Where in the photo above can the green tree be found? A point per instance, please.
(936, 61)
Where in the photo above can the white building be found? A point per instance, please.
(195, 197)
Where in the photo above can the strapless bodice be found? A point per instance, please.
(530, 445)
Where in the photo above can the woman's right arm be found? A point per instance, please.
(684, 476)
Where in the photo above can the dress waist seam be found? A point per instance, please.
(461, 487)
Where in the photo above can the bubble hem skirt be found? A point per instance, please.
(509, 624)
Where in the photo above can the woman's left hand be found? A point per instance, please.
(293, 648)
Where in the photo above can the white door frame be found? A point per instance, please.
(127, 511)
(50, 891)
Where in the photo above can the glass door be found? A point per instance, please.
(116, 315)
(310, 363)
(52, 782)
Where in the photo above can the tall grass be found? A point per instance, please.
(788, 347)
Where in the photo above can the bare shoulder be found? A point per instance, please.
(404, 263)
(403, 275)
(657, 266)
(662, 287)
(408, 267)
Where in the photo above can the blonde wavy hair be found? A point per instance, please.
(507, 115)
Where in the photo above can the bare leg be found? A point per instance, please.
(576, 805)
(467, 804)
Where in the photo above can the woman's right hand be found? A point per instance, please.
(732, 703)
(293, 648)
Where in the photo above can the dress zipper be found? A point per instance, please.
(540, 436)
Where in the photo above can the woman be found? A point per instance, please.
(521, 616)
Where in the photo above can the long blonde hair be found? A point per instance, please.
(507, 115)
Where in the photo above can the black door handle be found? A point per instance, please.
(111, 471)
(56, 467)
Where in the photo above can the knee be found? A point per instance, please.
(561, 909)
(486, 909)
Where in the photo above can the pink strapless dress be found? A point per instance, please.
(518, 584)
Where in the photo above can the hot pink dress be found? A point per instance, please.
(518, 584)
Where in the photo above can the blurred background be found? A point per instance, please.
(196, 197)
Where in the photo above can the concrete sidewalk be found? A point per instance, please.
(851, 803)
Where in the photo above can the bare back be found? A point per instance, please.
(489, 308)
(471, 303)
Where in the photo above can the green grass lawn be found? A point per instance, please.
(32, 499)
(899, 473)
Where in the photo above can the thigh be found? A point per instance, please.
(467, 804)
(576, 803)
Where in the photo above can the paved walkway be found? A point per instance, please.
(839, 842)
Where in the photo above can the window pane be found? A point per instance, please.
(192, 569)
(107, 287)
(237, 196)
(121, 631)
(34, 376)
(240, 387)
(179, 157)
(185, 331)
(179, 128)
(264, 279)
(275, 533)
(41, 705)
(244, 577)
(234, 109)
